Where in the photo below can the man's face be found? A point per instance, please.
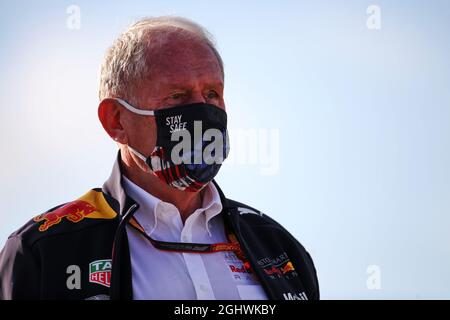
(183, 70)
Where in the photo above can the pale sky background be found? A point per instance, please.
(362, 118)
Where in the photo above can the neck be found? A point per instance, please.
(186, 202)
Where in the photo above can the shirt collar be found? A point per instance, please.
(157, 210)
(113, 187)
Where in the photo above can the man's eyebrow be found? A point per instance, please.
(219, 84)
(184, 85)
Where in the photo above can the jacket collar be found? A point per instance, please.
(113, 187)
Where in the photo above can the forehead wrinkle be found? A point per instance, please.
(176, 65)
(186, 78)
(179, 80)
(183, 64)
(178, 52)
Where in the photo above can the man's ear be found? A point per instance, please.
(109, 113)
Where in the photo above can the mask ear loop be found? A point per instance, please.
(129, 107)
(140, 156)
(141, 112)
(137, 153)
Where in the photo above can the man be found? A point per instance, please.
(160, 227)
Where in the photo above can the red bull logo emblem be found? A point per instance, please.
(288, 267)
(74, 211)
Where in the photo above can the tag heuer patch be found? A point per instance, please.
(100, 272)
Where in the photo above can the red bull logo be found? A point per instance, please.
(273, 270)
(235, 268)
(74, 211)
(288, 267)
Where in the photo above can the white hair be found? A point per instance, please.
(126, 63)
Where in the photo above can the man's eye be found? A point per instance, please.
(177, 96)
(212, 95)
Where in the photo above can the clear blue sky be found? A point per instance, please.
(362, 118)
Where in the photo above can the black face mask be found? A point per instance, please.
(192, 142)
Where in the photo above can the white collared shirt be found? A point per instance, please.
(158, 274)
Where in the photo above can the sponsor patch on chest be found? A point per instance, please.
(100, 272)
(236, 266)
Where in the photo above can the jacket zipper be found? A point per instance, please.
(115, 255)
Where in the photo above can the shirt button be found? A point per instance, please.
(203, 287)
(184, 238)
